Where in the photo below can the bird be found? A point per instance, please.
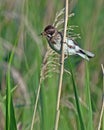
(70, 46)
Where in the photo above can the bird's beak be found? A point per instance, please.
(43, 34)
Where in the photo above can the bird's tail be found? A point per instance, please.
(85, 54)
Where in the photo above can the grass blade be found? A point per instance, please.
(88, 100)
(82, 126)
(10, 116)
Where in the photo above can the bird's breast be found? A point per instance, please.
(55, 46)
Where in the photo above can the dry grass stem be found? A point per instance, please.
(61, 68)
(49, 61)
(35, 107)
(102, 108)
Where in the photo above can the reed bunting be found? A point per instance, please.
(55, 39)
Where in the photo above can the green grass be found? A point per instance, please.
(22, 52)
(10, 115)
(80, 118)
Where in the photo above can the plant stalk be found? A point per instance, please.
(61, 68)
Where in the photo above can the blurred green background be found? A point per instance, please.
(21, 22)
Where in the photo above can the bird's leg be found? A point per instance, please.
(65, 57)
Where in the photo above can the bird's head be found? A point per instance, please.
(49, 31)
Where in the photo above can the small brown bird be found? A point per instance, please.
(55, 39)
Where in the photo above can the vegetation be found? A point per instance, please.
(29, 69)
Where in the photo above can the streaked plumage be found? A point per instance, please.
(55, 38)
